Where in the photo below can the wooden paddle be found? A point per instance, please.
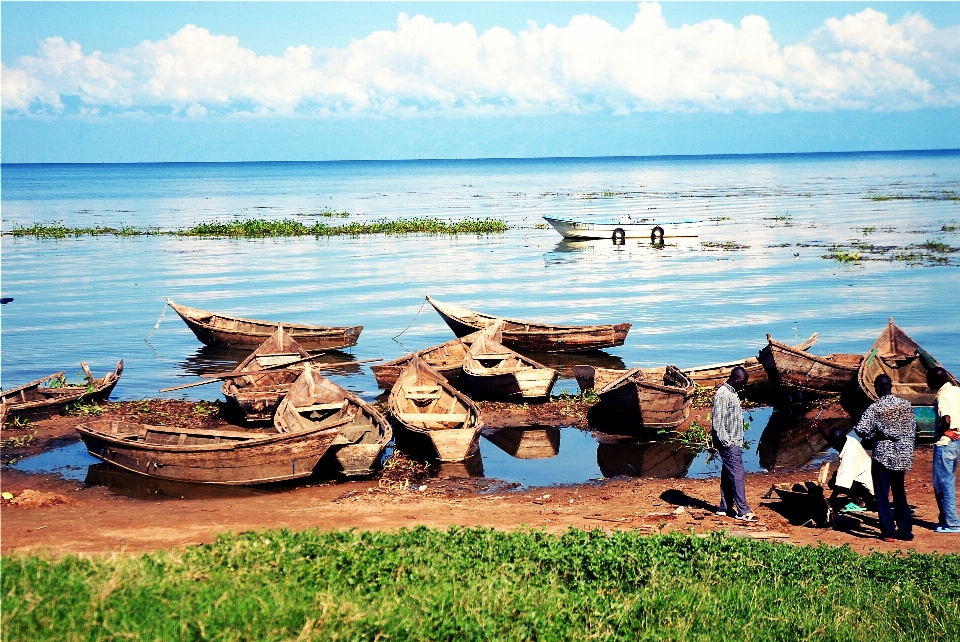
(230, 375)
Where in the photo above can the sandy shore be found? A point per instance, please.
(67, 517)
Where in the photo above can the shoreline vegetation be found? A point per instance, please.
(481, 584)
(263, 228)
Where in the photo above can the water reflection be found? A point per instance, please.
(633, 458)
(791, 439)
(470, 467)
(208, 360)
(129, 484)
(527, 442)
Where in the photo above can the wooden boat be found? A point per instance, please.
(494, 371)
(228, 331)
(527, 336)
(715, 375)
(640, 398)
(906, 363)
(208, 456)
(642, 228)
(433, 416)
(314, 401)
(257, 395)
(49, 395)
(803, 502)
(793, 368)
(541, 442)
(446, 359)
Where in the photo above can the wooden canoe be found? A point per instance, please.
(258, 395)
(527, 336)
(208, 456)
(429, 411)
(715, 375)
(49, 395)
(801, 370)
(496, 372)
(906, 363)
(228, 331)
(527, 442)
(641, 398)
(446, 359)
(314, 401)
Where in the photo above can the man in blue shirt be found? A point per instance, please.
(727, 428)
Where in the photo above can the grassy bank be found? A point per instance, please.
(263, 228)
(482, 585)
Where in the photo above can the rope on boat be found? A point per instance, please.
(147, 338)
(406, 328)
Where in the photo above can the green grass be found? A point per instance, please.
(479, 584)
(263, 228)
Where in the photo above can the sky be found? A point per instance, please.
(261, 81)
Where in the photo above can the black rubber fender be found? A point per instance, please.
(656, 234)
(619, 236)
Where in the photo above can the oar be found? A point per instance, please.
(231, 375)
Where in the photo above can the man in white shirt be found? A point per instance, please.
(946, 450)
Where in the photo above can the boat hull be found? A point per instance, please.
(526, 336)
(31, 403)
(523, 384)
(644, 229)
(792, 368)
(643, 398)
(235, 332)
(197, 456)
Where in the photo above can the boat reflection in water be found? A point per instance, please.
(629, 457)
(602, 249)
(791, 439)
(470, 467)
(130, 484)
(525, 442)
(211, 360)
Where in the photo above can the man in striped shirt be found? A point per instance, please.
(727, 427)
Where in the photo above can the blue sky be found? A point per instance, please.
(141, 82)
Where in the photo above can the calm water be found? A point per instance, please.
(95, 299)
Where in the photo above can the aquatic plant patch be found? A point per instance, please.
(930, 252)
(481, 584)
(264, 228)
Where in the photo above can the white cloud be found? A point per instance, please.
(859, 61)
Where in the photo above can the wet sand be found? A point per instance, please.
(97, 520)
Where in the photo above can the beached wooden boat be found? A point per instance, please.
(527, 442)
(433, 417)
(793, 368)
(49, 395)
(527, 336)
(257, 395)
(314, 401)
(642, 228)
(906, 363)
(715, 375)
(228, 331)
(494, 371)
(639, 398)
(446, 359)
(208, 456)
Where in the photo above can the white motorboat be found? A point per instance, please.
(642, 228)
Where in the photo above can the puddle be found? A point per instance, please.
(527, 457)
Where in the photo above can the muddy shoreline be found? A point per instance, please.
(69, 517)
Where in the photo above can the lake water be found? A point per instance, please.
(96, 299)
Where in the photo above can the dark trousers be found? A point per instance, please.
(732, 491)
(884, 481)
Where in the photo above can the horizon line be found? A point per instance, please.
(510, 158)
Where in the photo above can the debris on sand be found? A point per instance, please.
(35, 499)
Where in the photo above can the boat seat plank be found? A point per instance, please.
(318, 407)
(423, 396)
(424, 389)
(492, 355)
(434, 417)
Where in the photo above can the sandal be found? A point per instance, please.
(748, 517)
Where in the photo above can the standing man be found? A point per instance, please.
(727, 422)
(890, 425)
(946, 450)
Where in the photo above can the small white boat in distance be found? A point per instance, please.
(638, 228)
